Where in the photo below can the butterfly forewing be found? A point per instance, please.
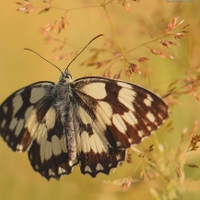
(17, 113)
(91, 121)
(125, 113)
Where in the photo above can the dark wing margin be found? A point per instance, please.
(113, 115)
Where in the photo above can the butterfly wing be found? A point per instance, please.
(25, 121)
(113, 115)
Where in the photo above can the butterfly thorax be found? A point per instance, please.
(66, 109)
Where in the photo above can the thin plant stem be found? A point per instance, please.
(114, 32)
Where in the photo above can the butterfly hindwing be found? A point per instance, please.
(48, 153)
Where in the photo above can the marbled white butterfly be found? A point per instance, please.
(90, 121)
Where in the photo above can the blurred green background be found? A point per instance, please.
(19, 68)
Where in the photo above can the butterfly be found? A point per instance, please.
(91, 121)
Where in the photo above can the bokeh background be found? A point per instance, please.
(87, 19)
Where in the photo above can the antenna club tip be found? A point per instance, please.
(27, 49)
(100, 35)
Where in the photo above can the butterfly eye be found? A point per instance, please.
(68, 76)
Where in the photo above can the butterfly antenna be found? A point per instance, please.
(83, 49)
(44, 59)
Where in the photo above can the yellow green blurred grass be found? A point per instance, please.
(19, 68)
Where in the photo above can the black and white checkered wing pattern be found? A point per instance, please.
(113, 115)
(91, 121)
(29, 122)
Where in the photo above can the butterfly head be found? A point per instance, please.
(66, 76)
